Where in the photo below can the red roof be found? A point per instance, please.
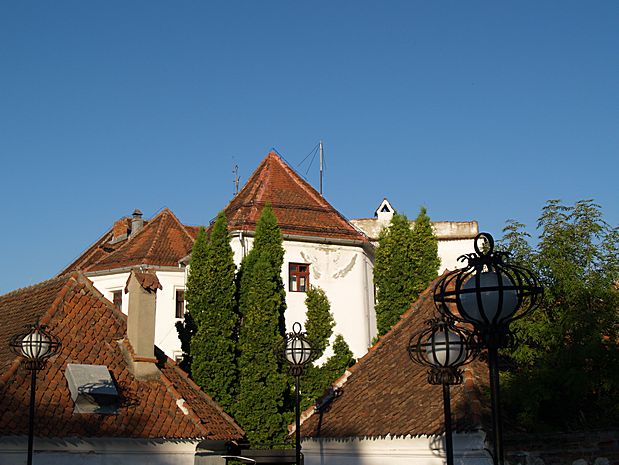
(299, 208)
(163, 241)
(385, 393)
(90, 329)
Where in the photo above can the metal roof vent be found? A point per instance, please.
(92, 389)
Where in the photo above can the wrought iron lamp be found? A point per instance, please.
(297, 352)
(444, 348)
(489, 293)
(36, 345)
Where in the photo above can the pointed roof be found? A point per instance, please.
(162, 241)
(385, 393)
(299, 208)
(90, 328)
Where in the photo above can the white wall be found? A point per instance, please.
(166, 336)
(422, 450)
(345, 274)
(99, 451)
(450, 250)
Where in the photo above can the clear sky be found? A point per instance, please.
(477, 110)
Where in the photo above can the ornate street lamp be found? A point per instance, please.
(36, 346)
(297, 352)
(443, 348)
(489, 293)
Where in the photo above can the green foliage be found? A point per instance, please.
(212, 346)
(259, 408)
(194, 297)
(565, 368)
(319, 327)
(425, 251)
(405, 263)
(319, 320)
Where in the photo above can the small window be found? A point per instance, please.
(299, 277)
(117, 299)
(180, 303)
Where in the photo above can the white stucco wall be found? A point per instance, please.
(423, 450)
(450, 250)
(99, 451)
(166, 336)
(344, 272)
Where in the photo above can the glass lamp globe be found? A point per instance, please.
(445, 349)
(35, 346)
(492, 310)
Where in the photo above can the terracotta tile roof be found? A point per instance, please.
(386, 393)
(90, 329)
(162, 241)
(299, 209)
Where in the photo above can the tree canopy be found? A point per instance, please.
(211, 301)
(259, 407)
(406, 261)
(564, 370)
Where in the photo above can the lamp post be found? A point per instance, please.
(443, 348)
(489, 293)
(297, 351)
(36, 346)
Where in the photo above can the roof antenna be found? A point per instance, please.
(235, 171)
(321, 154)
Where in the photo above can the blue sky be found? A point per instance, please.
(477, 110)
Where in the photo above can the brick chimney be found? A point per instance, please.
(136, 222)
(142, 289)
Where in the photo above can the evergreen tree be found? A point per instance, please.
(394, 273)
(212, 346)
(425, 252)
(565, 368)
(259, 408)
(319, 328)
(319, 320)
(194, 297)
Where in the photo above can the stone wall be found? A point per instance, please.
(591, 448)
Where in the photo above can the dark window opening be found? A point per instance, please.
(298, 277)
(117, 299)
(180, 303)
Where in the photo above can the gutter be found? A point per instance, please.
(129, 268)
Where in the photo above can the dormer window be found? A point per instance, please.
(117, 299)
(298, 277)
(180, 303)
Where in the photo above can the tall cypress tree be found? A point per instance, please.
(425, 252)
(259, 408)
(194, 296)
(212, 346)
(394, 272)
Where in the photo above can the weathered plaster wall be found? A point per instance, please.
(423, 450)
(344, 273)
(99, 451)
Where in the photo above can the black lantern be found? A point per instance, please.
(443, 348)
(36, 345)
(297, 352)
(489, 293)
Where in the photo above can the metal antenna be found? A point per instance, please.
(321, 155)
(236, 180)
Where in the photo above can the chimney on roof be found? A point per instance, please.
(136, 222)
(142, 288)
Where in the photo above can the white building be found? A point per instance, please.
(322, 248)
